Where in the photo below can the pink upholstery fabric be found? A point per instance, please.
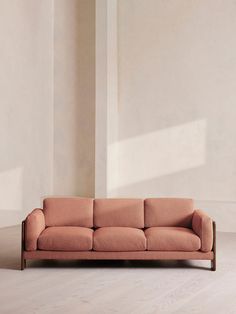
(168, 212)
(68, 211)
(119, 213)
(34, 225)
(172, 239)
(117, 239)
(66, 239)
(167, 238)
(203, 226)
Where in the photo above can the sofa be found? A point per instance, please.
(118, 229)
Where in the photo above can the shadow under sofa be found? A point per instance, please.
(118, 229)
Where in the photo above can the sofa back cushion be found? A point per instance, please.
(168, 212)
(119, 213)
(68, 211)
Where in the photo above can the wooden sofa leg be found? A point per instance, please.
(213, 262)
(23, 261)
(213, 265)
(23, 264)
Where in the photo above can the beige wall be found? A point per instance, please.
(47, 102)
(26, 54)
(174, 96)
(74, 97)
(177, 82)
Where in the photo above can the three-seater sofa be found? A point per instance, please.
(120, 229)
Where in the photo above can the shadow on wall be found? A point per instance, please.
(74, 96)
(146, 157)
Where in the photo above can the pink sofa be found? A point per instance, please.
(124, 229)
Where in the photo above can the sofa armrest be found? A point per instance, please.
(202, 225)
(34, 225)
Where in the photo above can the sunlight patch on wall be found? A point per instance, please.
(11, 189)
(160, 153)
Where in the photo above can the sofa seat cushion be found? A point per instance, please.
(172, 239)
(119, 239)
(66, 239)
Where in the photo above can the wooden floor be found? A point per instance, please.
(116, 287)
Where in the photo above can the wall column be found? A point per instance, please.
(106, 97)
